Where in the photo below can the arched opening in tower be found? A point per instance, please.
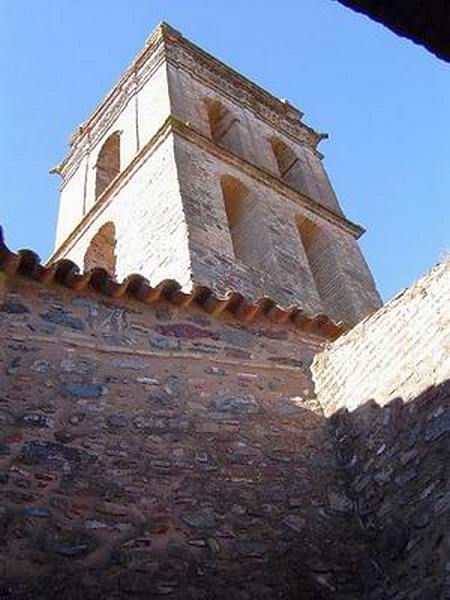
(224, 126)
(289, 165)
(238, 211)
(319, 252)
(102, 250)
(108, 164)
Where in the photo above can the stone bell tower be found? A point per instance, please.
(188, 170)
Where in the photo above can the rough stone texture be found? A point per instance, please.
(149, 452)
(166, 205)
(426, 23)
(386, 388)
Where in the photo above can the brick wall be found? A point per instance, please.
(147, 214)
(184, 121)
(151, 451)
(285, 272)
(385, 386)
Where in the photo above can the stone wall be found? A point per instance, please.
(385, 387)
(150, 450)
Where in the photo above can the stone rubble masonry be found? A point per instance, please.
(166, 204)
(385, 387)
(153, 450)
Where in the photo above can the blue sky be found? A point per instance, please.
(383, 100)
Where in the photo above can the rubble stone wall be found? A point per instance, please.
(385, 387)
(151, 451)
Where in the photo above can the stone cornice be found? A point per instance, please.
(280, 114)
(168, 45)
(172, 125)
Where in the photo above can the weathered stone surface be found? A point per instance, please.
(440, 426)
(294, 523)
(85, 390)
(164, 343)
(128, 363)
(14, 308)
(37, 420)
(235, 404)
(36, 511)
(200, 519)
(185, 330)
(61, 317)
(53, 453)
(250, 548)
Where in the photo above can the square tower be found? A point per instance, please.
(187, 170)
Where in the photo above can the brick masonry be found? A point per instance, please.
(166, 203)
(385, 387)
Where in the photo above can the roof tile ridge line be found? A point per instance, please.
(101, 281)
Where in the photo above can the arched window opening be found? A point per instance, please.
(320, 254)
(108, 164)
(238, 211)
(101, 250)
(289, 165)
(224, 126)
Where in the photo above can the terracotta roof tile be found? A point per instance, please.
(66, 273)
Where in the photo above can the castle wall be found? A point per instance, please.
(157, 451)
(385, 386)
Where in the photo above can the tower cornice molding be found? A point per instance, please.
(167, 45)
(182, 53)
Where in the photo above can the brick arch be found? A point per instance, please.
(320, 249)
(289, 165)
(224, 126)
(102, 250)
(240, 206)
(108, 164)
